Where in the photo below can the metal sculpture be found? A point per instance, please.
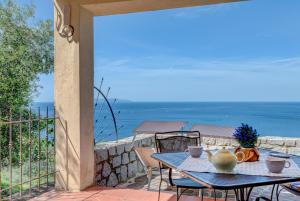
(102, 127)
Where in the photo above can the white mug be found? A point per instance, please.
(195, 151)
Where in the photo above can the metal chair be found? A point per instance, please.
(172, 142)
(272, 194)
(293, 188)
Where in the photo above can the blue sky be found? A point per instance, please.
(248, 51)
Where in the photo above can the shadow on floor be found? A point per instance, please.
(112, 194)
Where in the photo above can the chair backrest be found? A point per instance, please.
(176, 141)
(144, 154)
(293, 188)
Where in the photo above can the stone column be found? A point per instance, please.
(74, 80)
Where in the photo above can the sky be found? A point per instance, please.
(245, 51)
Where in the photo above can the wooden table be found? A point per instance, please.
(241, 184)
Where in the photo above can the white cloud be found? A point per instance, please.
(191, 13)
(189, 79)
(162, 66)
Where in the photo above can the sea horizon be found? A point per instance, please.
(269, 118)
(224, 101)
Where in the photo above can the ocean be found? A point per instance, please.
(269, 118)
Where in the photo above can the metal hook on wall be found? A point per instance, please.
(63, 24)
(68, 29)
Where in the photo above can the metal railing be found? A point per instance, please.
(27, 154)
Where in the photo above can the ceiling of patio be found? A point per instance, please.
(111, 7)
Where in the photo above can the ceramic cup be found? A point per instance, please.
(195, 151)
(276, 165)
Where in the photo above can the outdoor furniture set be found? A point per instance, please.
(223, 170)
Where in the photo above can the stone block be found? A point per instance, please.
(125, 159)
(98, 178)
(132, 156)
(146, 142)
(223, 142)
(140, 167)
(276, 141)
(294, 150)
(214, 147)
(116, 161)
(290, 142)
(280, 149)
(132, 169)
(137, 143)
(128, 147)
(120, 149)
(234, 143)
(123, 174)
(102, 182)
(112, 180)
(112, 150)
(258, 143)
(118, 170)
(209, 140)
(267, 146)
(153, 140)
(263, 140)
(106, 170)
(98, 168)
(298, 142)
(101, 155)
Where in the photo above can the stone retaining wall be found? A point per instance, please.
(116, 162)
(280, 144)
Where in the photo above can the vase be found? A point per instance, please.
(251, 154)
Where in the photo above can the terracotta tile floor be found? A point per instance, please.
(112, 194)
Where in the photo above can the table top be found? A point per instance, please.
(223, 181)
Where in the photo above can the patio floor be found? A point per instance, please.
(140, 183)
(112, 194)
(136, 190)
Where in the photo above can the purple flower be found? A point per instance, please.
(246, 136)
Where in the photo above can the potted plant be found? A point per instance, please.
(247, 138)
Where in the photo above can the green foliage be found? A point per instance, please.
(26, 50)
(35, 131)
